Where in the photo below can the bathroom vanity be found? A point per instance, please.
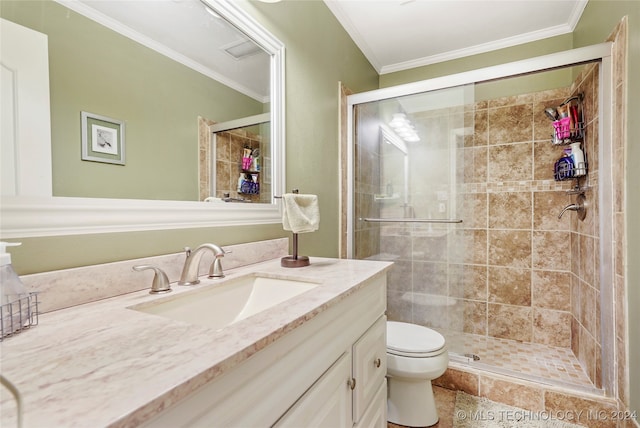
(328, 371)
(318, 357)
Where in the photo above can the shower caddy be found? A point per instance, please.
(568, 127)
(568, 130)
(249, 183)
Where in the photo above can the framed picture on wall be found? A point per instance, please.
(102, 139)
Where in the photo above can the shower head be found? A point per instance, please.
(578, 97)
(551, 113)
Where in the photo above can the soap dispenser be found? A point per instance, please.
(15, 311)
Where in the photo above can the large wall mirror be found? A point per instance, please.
(147, 80)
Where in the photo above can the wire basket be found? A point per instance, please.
(564, 169)
(18, 315)
(564, 134)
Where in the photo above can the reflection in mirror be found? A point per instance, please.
(158, 93)
(235, 160)
(158, 97)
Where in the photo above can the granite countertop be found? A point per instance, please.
(102, 364)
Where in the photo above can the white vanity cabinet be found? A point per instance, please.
(352, 391)
(329, 371)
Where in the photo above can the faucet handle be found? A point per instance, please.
(215, 270)
(160, 282)
(579, 207)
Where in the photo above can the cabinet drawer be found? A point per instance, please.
(369, 366)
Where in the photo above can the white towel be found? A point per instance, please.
(300, 213)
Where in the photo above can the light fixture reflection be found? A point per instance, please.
(403, 128)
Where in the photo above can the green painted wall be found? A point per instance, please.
(97, 70)
(597, 22)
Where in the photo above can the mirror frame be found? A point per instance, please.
(34, 216)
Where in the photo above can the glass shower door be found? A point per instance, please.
(408, 168)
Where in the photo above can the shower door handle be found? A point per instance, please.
(411, 220)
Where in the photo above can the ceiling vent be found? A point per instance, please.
(242, 49)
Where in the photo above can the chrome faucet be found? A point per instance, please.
(189, 274)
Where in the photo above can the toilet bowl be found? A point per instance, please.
(415, 356)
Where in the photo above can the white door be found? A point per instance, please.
(25, 122)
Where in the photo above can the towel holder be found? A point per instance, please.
(294, 260)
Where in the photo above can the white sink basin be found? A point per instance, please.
(221, 304)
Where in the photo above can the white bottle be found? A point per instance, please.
(240, 181)
(15, 305)
(577, 155)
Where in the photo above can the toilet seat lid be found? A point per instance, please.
(405, 338)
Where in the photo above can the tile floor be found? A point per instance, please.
(530, 361)
(550, 364)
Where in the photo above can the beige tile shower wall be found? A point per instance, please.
(520, 252)
(540, 271)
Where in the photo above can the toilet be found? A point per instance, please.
(415, 356)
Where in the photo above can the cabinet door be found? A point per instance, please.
(369, 366)
(327, 403)
(376, 414)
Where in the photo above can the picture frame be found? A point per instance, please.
(102, 139)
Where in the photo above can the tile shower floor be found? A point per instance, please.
(558, 366)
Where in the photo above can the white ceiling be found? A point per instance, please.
(397, 35)
(393, 34)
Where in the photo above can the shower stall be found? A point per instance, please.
(452, 179)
